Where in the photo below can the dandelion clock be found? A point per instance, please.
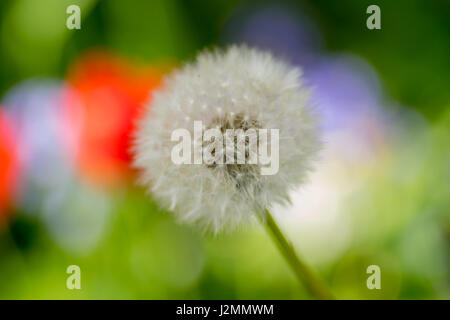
(226, 138)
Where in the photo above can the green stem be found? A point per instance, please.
(301, 270)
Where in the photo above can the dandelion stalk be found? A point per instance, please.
(301, 270)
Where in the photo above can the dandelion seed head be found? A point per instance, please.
(239, 88)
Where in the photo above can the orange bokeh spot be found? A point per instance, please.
(112, 94)
(9, 167)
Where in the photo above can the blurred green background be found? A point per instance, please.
(380, 194)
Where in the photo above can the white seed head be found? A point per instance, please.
(239, 88)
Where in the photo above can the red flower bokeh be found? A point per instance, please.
(112, 93)
(9, 166)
